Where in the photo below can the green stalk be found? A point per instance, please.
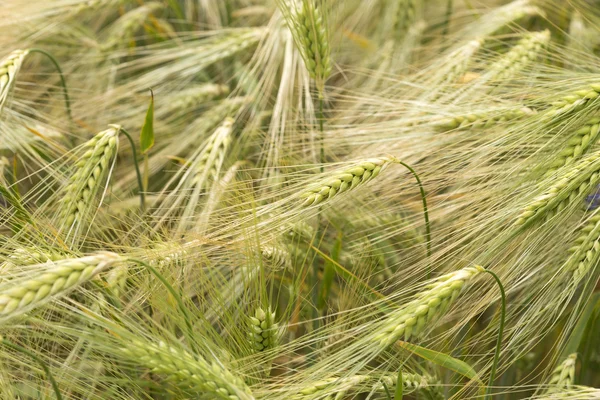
(62, 78)
(175, 295)
(39, 361)
(488, 391)
(137, 171)
(425, 210)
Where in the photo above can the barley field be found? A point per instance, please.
(299, 199)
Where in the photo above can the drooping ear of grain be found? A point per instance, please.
(412, 319)
(91, 171)
(563, 190)
(20, 295)
(482, 119)
(343, 181)
(9, 68)
(125, 27)
(581, 141)
(193, 374)
(522, 54)
(563, 376)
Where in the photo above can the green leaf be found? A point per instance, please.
(443, 360)
(577, 333)
(329, 272)
(147, 134)
(399, 387)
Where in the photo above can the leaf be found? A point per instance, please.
(443, 360)
(399, 387)
(329, 273)
(577, 333)
(147, 134)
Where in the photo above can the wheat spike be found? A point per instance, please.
(276, 257)
(563, 376)
(578, 144)
(565, 189)
(428, 306)
(192, 373)
(586, 249)
(92, 169)
(574, 102)
(338, 387)
(9, 68)
(190, 98)
(263, 330)
(523, 53)
(311, 34)
(20, 295)
(343, 181)
(482, 120)
(125, 27)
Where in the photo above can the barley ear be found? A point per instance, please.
(9, 68)
(91, 170)
(309, 30)
(430, 305)
(343, 181)
(263, 331)
(193, 374)
(563, 376)
(20, 295)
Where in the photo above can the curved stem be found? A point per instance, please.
(500, 332)
(137, 171)
(62, 78)
(174, 294)
(425, 210)
(39, 360)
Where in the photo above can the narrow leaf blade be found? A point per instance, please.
(443, 360)
(147, 134)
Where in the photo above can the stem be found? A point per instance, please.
(62, 78)
(174, 294)
(39, 360)
(321, 122)
(137, 171)
(425, 210)
(488, 390)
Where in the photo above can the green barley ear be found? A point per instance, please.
(31, 255)
(563, 376)
(566, 188)
(517, 58)
(482, 119)
(21, 294)
(586, 249)
(189, 99)
(91, 170)
(405, 17)
(9, 68)
(192, 374)
(309, 29)
(125, 27)
(276, 257)
(343, 181)
(581, 141)
(263, 331)
(413, 318)
(574, 102)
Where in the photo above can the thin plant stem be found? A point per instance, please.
(137, 171)
(39, 361)
(175, 295)
(488, 391)
(62, 78)
(425, 209)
